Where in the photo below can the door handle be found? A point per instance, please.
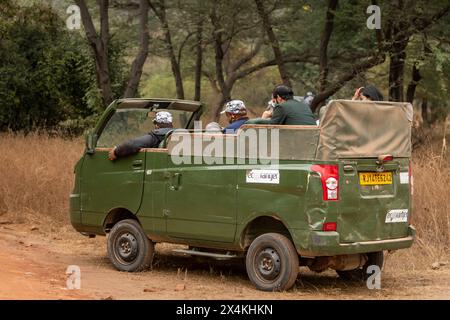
(176, 181)
(349, 168)
(137, 164)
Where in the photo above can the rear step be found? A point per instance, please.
(216, 256)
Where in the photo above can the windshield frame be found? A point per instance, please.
(196, 107)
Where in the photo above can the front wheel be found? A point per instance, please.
(129, 249)
(272, 262)
(360, 274)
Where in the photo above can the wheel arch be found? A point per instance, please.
(115, 215)
(261, 225)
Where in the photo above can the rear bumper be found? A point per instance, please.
(327, 244)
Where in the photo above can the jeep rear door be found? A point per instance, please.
(370, 142)
(374, 199)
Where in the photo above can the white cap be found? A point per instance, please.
(163, 117)
(235, 107)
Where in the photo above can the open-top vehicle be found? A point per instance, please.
(334, 196)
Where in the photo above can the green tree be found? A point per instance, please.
(45, 71)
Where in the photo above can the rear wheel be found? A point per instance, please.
(272, 262)
(129, 249)
(360, 274)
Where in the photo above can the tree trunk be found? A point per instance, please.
(267, 25)
(178, 78)
(138, 63)
(175, 66)
(397, 55)
(160, 12)
(425, 120)
(99, 46)
(199, 62)
(396, 72)
(415, 78)
(219, 55)
(324, 41)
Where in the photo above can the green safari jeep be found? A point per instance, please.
(333, 196)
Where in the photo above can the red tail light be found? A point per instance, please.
(329, 226)
(329, 175)
(385, 158)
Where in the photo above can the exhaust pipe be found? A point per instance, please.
(340, 263)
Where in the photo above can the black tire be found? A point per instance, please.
(129, 249)
(360, 274)
(272, 262)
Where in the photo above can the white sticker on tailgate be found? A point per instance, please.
(404, 177)
(399, 215)
(263, 176)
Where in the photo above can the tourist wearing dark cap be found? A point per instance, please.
(368, 93)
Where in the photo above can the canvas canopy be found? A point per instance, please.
(360, 129)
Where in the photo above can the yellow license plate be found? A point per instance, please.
(374, 178)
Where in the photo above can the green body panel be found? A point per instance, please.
(75, 198)
(151, 213)
(107, 185)
(211, 205)
(290, 201)
(169, 192)
(201, 202)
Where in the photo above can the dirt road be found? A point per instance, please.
(33, 266)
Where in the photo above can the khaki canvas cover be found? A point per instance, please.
(360, 129)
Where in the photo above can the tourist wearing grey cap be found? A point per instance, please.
(236, 113)
(163, 125)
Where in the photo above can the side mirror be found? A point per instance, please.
(91, 141)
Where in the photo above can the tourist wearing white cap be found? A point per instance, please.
(163, 124)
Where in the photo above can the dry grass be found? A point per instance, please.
(36, 178)
(431, 200)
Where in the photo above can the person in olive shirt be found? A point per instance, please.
(286, 110)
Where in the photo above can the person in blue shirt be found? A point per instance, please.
(236, 113)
